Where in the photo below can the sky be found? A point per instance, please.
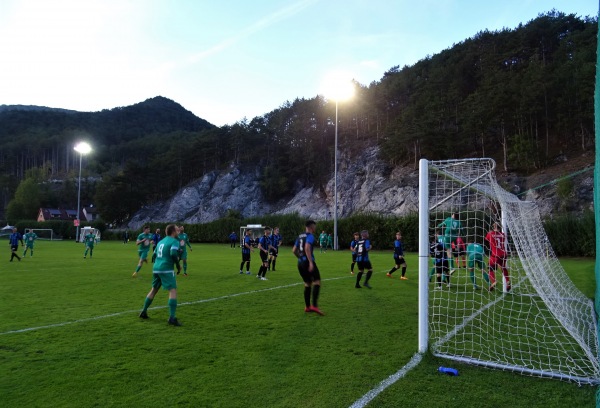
(230, 59)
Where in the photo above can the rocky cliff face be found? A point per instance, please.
(364, 185)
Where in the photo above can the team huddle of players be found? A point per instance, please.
(449, 250)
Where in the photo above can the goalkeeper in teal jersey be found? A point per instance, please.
(89, 240)
(29, 239)
(452, 230)
(184, 243)
(143, 242)
(163, 273)
(475, 254)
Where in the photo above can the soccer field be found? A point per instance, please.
(70, 336)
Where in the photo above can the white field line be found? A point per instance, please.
(195, 302)
(369, 396)
(416, 359)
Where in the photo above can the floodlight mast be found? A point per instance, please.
(81, 148)
(339, 89)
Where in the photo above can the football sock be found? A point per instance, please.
(352, 266)
(242, 265)
(172, 307)
(394, 269)
(247, 266)
(369, 273)
(269, 264)
(315, 294)
(358, 278)
(439, 280)
(307, 296)
(403, 270)
(138, 268)
(147, 304)
(184, 270)
(472, 276)
(486, 276)
(274, 261)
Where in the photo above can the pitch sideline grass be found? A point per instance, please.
(254, 349)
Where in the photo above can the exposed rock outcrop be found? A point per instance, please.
(365, 185)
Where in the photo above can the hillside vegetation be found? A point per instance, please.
(523, 96)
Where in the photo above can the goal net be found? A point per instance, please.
(43, 233)
(492, 291)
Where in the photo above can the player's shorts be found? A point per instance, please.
(496, 261)
(442, 267)
(264, 256)
(245, 257)
(91, 246)
(14, 247)
(353, 257)
(307, 276)
(446, 240)
(164, 279)
(143, 254)
(274, 252)
(475, 259)
(29, 245)
(458, 250)
(399, 260)
(362, 265)
(183, 255)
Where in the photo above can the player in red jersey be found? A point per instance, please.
(459, 250)
(497, 242)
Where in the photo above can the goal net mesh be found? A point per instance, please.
(534, 321)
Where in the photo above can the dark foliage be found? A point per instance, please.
(522, 96)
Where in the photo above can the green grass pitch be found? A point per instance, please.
(70, 336)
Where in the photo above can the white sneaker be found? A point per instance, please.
(447, 285)
(438, 288)
(452, 271)
(263, 278)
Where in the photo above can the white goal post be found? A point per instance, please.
(497, 296)
(42, 233)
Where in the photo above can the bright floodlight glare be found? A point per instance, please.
(338, 86)
(83, 148)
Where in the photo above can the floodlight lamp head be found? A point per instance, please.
(83, 148)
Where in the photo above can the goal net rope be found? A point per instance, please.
(500, 298)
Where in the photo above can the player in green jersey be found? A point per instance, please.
(184, 242)
(29, 239)
(89, 240)
(143, 242)
(163, 273)
(452, 229)
(475, 254)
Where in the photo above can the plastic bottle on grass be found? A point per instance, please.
(448, 370)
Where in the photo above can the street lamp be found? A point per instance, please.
(340, 88)
(82, 148)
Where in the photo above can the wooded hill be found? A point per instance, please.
(522, 96)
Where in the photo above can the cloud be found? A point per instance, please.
(260, 25)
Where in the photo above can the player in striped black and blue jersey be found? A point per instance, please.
(307, 267)
(275, 242)
(398, 257)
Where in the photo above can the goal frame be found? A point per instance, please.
(42, 229)
(423, 265)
